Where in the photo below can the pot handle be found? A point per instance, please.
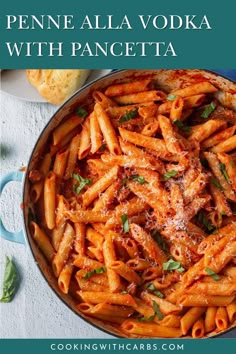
(15, 176)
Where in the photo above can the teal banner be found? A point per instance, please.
(116, 346)
(124, 34)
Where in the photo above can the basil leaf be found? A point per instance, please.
(102, 147)
(208, 110)
(181, 125)
(129, 115)
(203, 220)
(10, 281)
(157, 310)
(156, 292)
(147, 319)
(82, 182)
(123, 292)
(216, 183)
(224, 172)
(173, 265)
(210, 272)
(81, 112)
(169, 174)
(95, 271)
(171, 97)
(161, 242)
(125, 223)
(138, 178)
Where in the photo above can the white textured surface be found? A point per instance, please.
(35, 312)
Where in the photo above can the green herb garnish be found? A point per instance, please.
(82, 182)
(138, 178)
(216, 183)
(102, 147)
(129, 115)
(169, 174)
(208, 110)
(173, 265)
(224, 172)
(10, 281)
(95, 271)
(171, 97)
(157, 310)
(156, 292)
(81, 112)
(125, 223)
(181, 125)
(210, 272)
(123, 292)
(158, 238)
(146, 319)
(204, 162)
(203, 220)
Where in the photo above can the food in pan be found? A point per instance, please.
(56, 86)
(135, 200)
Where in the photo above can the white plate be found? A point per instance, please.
(15, 83)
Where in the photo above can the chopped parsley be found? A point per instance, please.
(208, 110)
(203, 220)
(102, 147)
(82, 182)
(81, 112)
(212, 274)
(157, 312)
(181, 125)
(125, 223)
(224, 172)
(158, 238)
(123, 292)
(129, 115)
(173, 265)
(138, 178)
(169, 174)
(95, 271)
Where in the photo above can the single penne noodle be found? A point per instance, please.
(110, 298)
(144, 309)
(226, 145)
(37, 188)
(86, 262)
(65, 128)
(127, 88)
(190, 317)
(138, 264)
(100, 185)
(146, 240)
(114, 280)
(72, 158)
(140, 97)
(95, 133)
(95, 252)
(107, 197)
(79, 243)
(96, 166)
(65, 277)
(195, 89)
(149, 330)
(103, 100)
(230, 272)
(84, 142)
(150, 129)
(60, 163)
(147, 162)
(210, 319)
(131, 247)
(222, 258)
(94, 237)
(57, 234)
(50, 200)
(189, 102)
(198, 329)
(171, 321)
(42, 241)
(196, 187)
(196, 232)
(193, 207)
(190, 300)
(107, 129)
(87, 216)
(208, 242)
(218, 137)
(125, 272)
(97, 311)
(177, 108)
(221, 318)
(155, 144)
(231, 310)
(213, 288)
(222, 207)
(219, 246)
(168, 134)
(203, 131)
(151, 273)
(64, 249)
(148, 111)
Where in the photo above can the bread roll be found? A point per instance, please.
(56, 86)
